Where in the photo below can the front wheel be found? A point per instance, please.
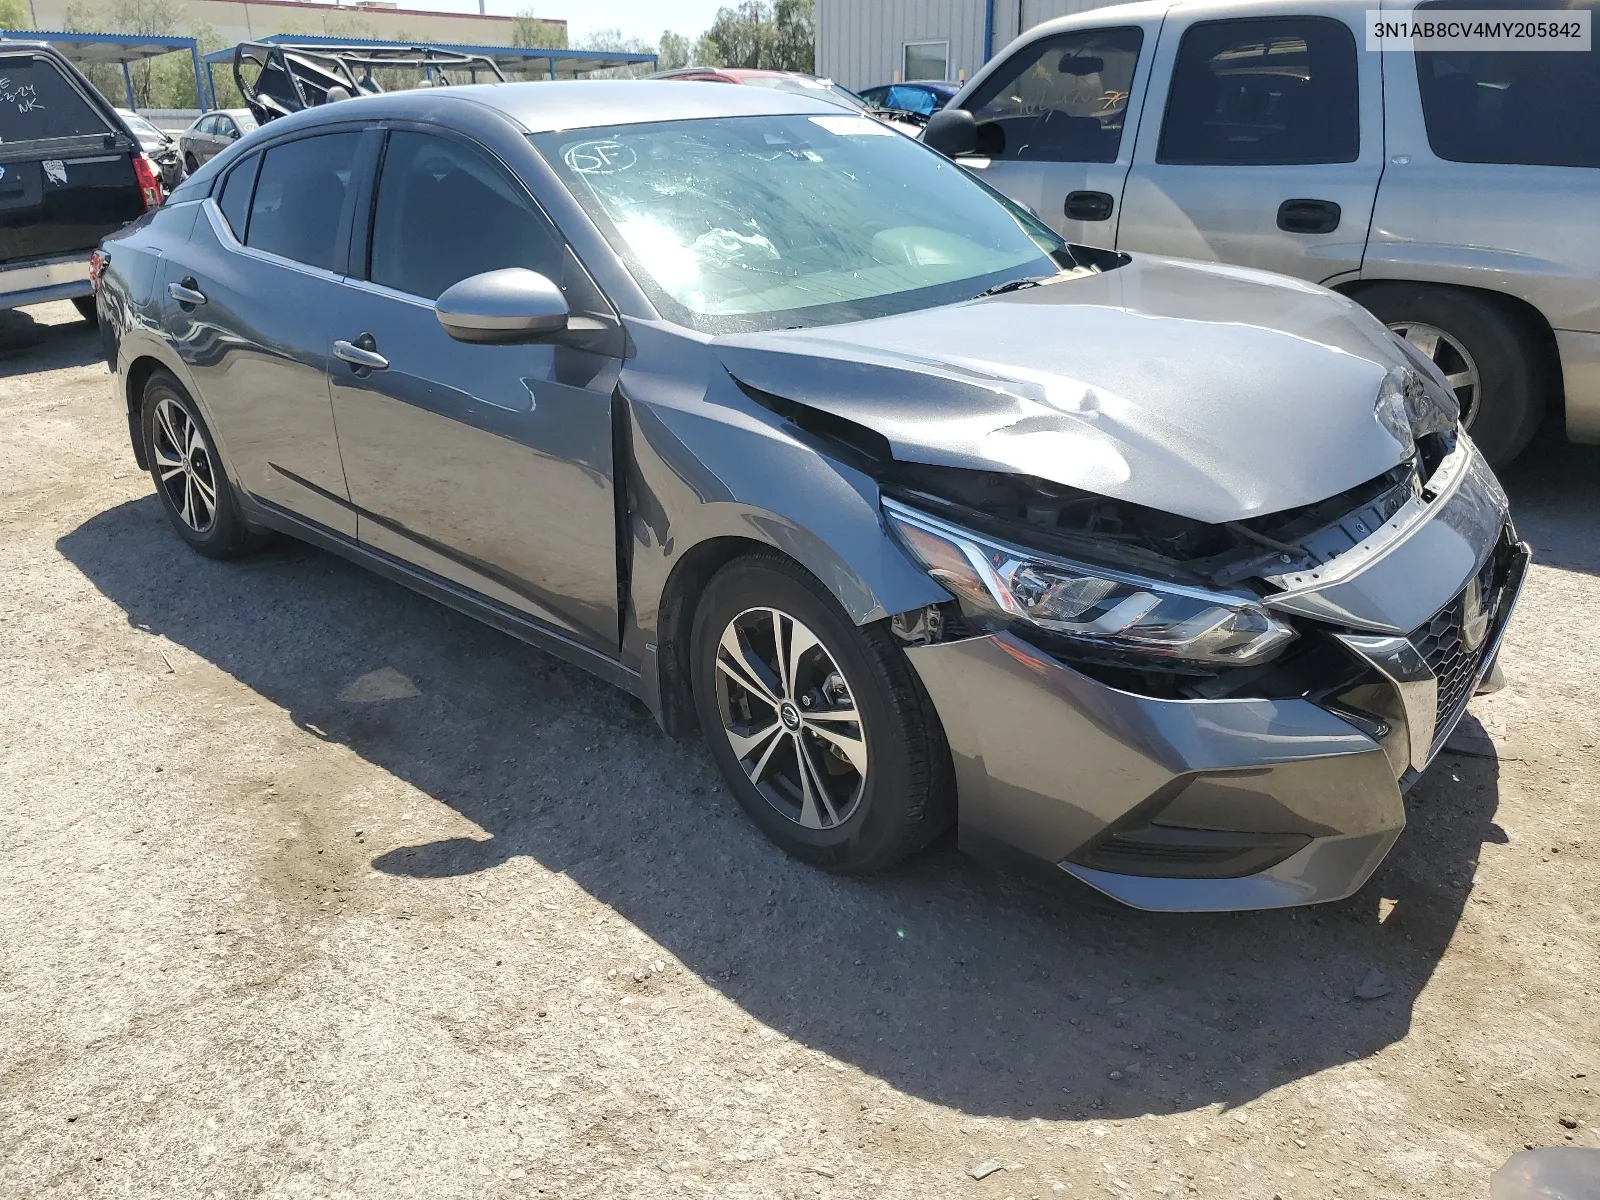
(821, 728)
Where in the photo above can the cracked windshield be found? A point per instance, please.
(768, 222)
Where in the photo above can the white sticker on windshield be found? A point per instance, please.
(853, 126)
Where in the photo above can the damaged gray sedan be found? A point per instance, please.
(1172, 575)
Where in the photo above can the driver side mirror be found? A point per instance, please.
(951, 131)
(506, 306)
(233, 134)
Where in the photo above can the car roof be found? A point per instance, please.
(578, 104)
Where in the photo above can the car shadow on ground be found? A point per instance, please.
(1555, 499)
(28, 344)
(982, 991)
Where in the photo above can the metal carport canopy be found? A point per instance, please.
(118, 48)
(557, 62)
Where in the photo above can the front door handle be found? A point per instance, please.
(1088, 206)
(188, 292)
(1308, 216)
(362, 354)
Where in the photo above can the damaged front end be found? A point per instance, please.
(1197, 715)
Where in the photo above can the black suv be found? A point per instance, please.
(70, 173)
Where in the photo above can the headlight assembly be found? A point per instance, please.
(1088, 604)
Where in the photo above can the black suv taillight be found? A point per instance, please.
(149, 182)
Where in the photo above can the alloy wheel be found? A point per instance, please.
(184, 466)
(1452, 359)
(791, 718)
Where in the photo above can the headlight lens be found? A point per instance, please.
(1088, 604)
(1412, 405)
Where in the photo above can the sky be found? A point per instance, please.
(636, 18)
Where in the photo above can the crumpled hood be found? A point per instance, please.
(1209, 391)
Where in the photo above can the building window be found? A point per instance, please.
(927, 60)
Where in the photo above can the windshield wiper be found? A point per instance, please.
(1014, 285)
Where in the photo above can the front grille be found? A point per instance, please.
(1443, 646)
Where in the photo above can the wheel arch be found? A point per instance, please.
(1532, 324)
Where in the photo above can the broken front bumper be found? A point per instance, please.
(1215, 805)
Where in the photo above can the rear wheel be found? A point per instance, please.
(188, 475)
(1485, 351)
(821, 728)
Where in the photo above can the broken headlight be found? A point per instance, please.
(1412, 404)
(1004, 584)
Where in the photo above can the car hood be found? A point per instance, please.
(1213, 392)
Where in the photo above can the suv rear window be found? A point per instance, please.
(1511, 107)
(38, 103)
(1271, 90)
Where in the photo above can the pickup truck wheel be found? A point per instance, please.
(189, 477)
(1486, 353)
(86, 309)
(821, 729)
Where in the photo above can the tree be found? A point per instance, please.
(794, 35)
(612, 42)
(673, 52)
(14, 14)
(533, 32)
(83, 17)
(148, 18)
(743, 34)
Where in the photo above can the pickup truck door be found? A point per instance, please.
(1056, 122)
(1261, 144)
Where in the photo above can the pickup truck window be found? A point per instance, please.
(1274, 91)
(38, 103)
(1537, 110)
(1061, 99)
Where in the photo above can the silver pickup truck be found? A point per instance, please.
(1454, 194)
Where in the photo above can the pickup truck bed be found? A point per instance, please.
(69, 175)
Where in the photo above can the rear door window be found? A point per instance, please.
(235, 198)
(1062, 99)
(300, 198)
(1511, 107)
(1273, 91)
(39, 103)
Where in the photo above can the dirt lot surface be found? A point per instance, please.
(310, 887)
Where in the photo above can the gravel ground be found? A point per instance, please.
(310, 887)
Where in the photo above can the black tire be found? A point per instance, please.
(905, 797)
(190, 166)
(225, 535)
(1511, 376)
(86, 309)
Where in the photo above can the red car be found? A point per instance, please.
(786, 81)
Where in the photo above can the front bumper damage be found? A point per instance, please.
(1229, 804)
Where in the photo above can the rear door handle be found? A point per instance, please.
(1308, 216)
(361, 357)
(1089, 206)
(186, 292)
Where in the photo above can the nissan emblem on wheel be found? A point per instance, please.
(1169, 576)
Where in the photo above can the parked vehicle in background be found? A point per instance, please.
(1451, 193)
(278, 78)
(795, 82)
(70, 173)
(914, 101)
(159, 146)
(781, 422)
(212, 133)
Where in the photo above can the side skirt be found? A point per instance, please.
(449, 594)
